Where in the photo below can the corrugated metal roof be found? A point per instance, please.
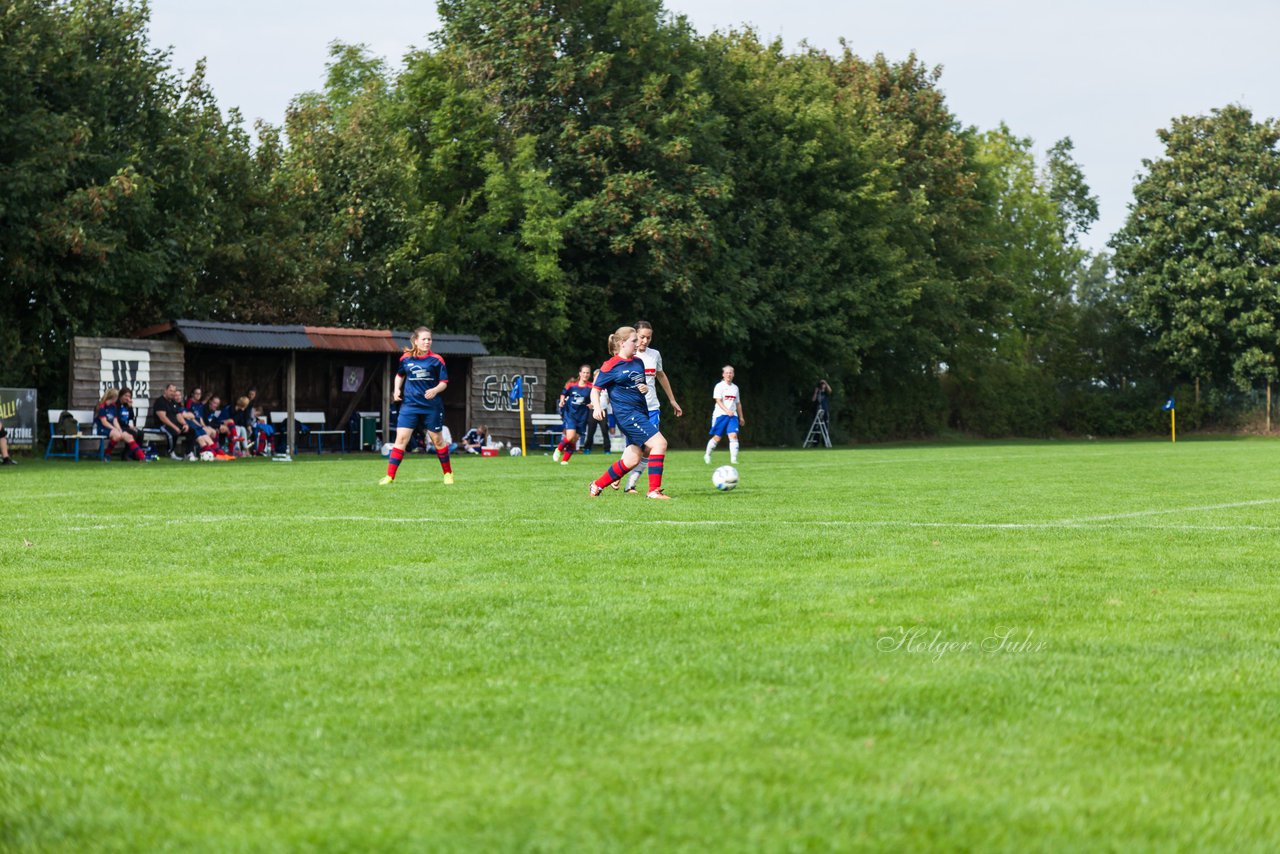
(445, 344)
(365, 340)
(245, 335)
(250, 336)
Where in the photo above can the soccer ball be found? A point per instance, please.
(725, 478)
(206, 456)
(515, 452)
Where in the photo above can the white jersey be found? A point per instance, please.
(652, 364)
(726, 393)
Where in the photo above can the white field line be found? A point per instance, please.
(1084, 523)
(1072, 522)
(1166, 511)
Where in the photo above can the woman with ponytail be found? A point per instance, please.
(623, 377)
(420, 380)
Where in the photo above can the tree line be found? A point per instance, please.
(545, 171)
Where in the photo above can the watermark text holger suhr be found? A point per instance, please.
(923, 640)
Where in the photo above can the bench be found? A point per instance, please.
(548, 430)
(84, 433)
(315, 427)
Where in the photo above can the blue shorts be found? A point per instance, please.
(579, 423)
(655, 416)
(637, 428)
(724, 425)
(412, 419)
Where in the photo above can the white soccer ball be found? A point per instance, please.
(725, 478)
(206, 456)
(386, 449)
(515, 452)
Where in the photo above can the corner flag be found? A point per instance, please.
(1170, 408)
(517, 393)
(1168, 405)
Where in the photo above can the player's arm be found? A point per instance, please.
(597, 411)
(720, 405)
(439, 389)
(741, 419)
(671, 396)
(166, 421)
(398, 396)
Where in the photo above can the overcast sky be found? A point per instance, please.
(1107, 74)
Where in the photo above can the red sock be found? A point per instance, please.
(615, 472)
(111, 448)
(655, 472)
(568, 451)
(393, 462)
(135, 451)
(443, 454)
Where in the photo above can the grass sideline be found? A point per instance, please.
(267, 656)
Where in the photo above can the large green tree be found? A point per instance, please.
(1199, 255)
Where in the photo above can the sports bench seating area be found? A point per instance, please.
(84, 441)
(547, 429)
(314, 422)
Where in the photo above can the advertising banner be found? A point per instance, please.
(18, 414)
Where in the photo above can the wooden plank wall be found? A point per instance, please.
(89, 379)
(490, 401)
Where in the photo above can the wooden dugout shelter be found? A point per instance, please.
(295, 368)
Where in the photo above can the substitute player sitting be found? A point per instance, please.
(107, 427)
(726, 418)
(575, 409)
(623, 376)
(420, 380)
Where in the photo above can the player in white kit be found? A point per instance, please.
(727, 416)
(652, 371)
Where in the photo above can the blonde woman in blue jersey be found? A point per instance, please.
(653, 376)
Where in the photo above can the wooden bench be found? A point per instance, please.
(315, 427)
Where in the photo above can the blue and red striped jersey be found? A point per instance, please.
(620, 377)
(576, 398)
(421, 374)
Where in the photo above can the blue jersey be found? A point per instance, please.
(621, 376)
(421, 374)
(124, 414)
(104, 411)
(576, 398)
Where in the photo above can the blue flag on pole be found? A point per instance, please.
(1168, 404)
(517, 389)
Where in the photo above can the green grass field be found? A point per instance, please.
(1015, 646)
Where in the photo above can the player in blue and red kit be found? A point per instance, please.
(420, 380)
(107, 426)
(575, 409)
(624, 378)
